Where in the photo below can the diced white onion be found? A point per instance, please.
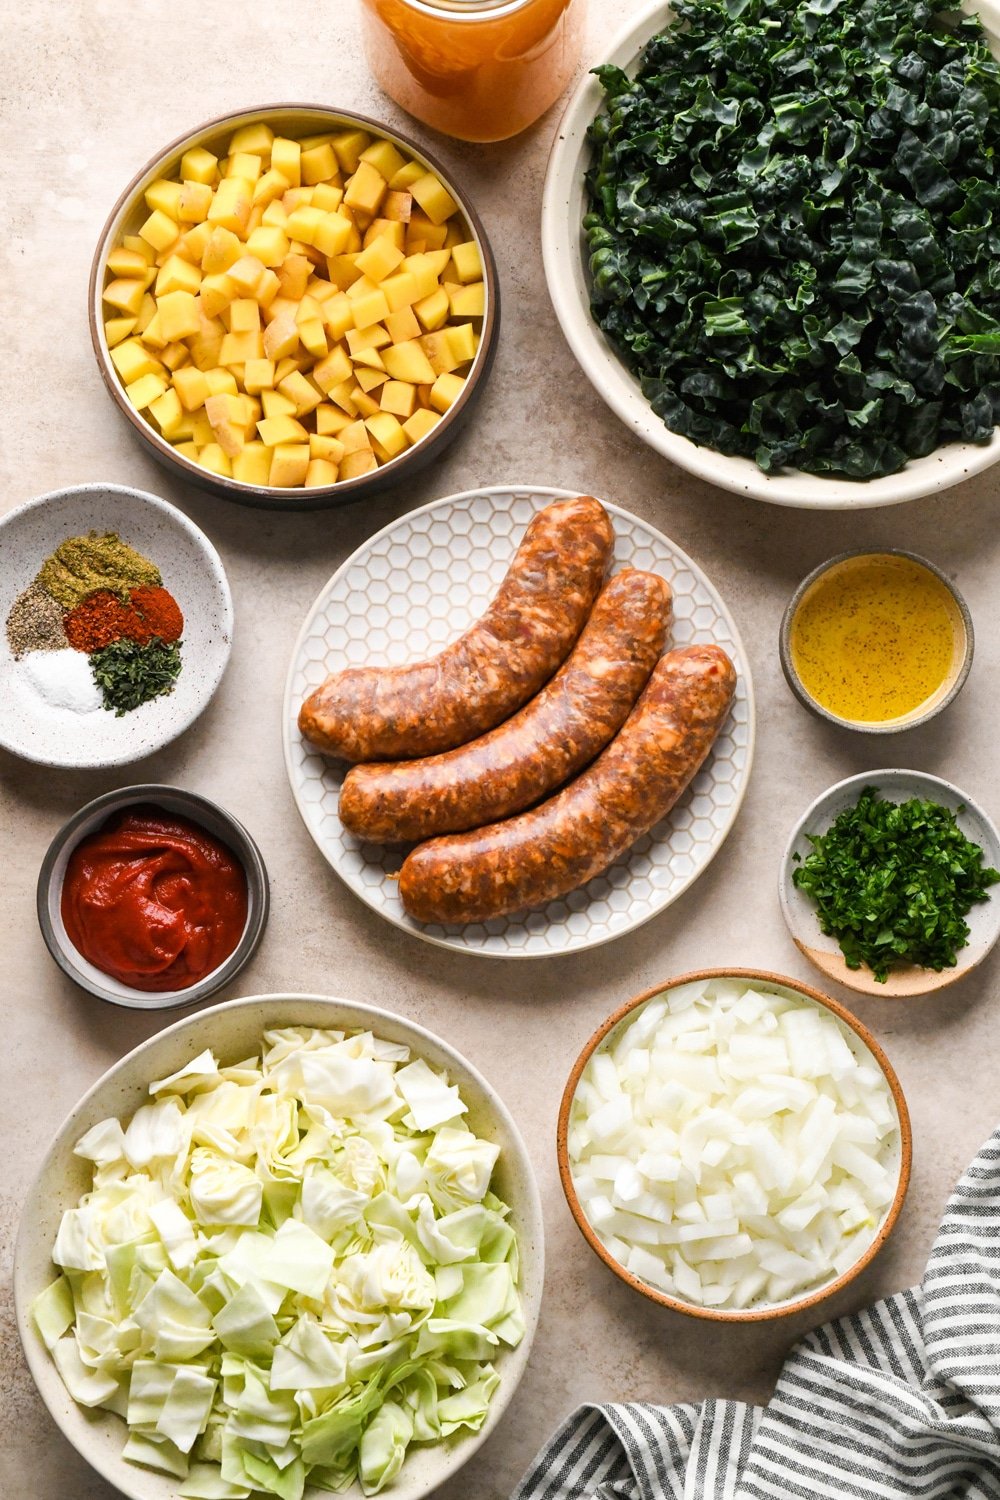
(733, 1144)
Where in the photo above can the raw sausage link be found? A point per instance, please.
(394, 713)
(550, 739)
(555, 848)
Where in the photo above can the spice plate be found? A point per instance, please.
(420, 583)
(800, 913)
(39, 688)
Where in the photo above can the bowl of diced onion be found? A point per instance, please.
(291, 1244)
(734, 1145)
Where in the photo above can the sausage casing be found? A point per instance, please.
(559, 731)
(558, 846)
(396, 713)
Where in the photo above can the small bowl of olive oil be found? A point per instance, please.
(876, 641)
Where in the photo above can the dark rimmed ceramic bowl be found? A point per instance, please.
(130, 211)
(198, 809)
(758, 1312)
(924, 712)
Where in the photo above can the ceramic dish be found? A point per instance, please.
(192, 571)
(950, 688)
(233, 1031)
(130, 211)
(421, 582)
(197, 809)
(865, 1046)
(565, 256)
(799, 911)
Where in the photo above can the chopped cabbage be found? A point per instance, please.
(731, 1144)
(289, 1270)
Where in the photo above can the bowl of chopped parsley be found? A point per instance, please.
(887, 883)
(771, 239)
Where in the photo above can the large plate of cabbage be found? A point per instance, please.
(289, 1247)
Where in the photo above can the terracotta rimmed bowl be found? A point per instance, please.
(758, 1312)
(197, 809)
(962, 651)
(233, 1031)
(799, 911)
(130, 211)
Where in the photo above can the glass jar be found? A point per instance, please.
(480, 70)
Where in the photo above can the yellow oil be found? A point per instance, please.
(876, 637)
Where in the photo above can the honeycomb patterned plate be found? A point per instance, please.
(420, 583)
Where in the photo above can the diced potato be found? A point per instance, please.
(168, 412)
(398, 397)
(330, 421)
(332, 370)
(221, 382)
(177, 275)
(348, 146)
(165, 196)
(333, 234)
(467, 262)
(402, 325)
(252, 465)
(433, 311)
(128, 264)
(320, 471)
(222, 250)
(420, 424)
(462, 342)
(446, 390)
(247, 274)
(244, 316)
(194, 202)
(132, 361)
(289, 464)
(256, 139)
(152, 334)
(192, 387)
(286, 158)
(387, 430)
(125, 295)
(318, 164)
(364, 405)
(217, 292)
(199, 165)
(226, 416)
(231, 205)
(303, 222)
(404, 179)
(398, 206)
(116, 329)
(145, 390)
(366, 189)
(276, 405)
(370, 308)
(268, 245)
(363, 461)
(179, 315)
(214, 458)
(300, 390)
(201, 429)
(407, 361)
(325, 447)
(327, 197)
(468, 301)
(365, 360)
(379, 259)
(243, 164)
(275, 430)
(237, 348)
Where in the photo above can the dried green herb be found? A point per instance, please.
(893, 883)
(129, 674)
(794, 229)
(83, 564)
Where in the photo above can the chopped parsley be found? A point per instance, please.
(893, 883)
(129, 675)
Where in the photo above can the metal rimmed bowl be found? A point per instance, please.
(906, 980)
(963, 637)
(566, 258)
(171, 799)
(130, 211)
(865, 1044)
(233, 1031)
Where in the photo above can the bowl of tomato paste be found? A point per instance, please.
(152, 897)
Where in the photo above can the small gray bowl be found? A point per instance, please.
(923, 712)
(210, 816)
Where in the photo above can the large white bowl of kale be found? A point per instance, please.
(772, 239)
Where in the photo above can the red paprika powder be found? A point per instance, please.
(160, 610)
(102, 618)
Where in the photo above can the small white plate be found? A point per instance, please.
(192, 571)
(565, 255)
(800, 914)
(420, 583)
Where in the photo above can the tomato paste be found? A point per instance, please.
(154, 900)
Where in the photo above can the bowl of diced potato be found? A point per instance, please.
(292, 304)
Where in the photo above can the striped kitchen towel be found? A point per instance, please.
(900, 1400)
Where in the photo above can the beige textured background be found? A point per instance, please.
(91, 91)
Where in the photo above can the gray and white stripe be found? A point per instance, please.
(899, 1401)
